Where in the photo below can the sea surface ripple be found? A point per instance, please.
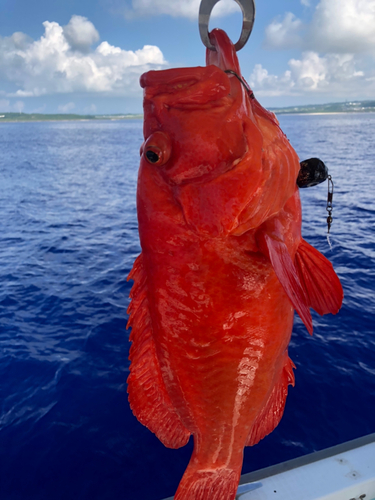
(68, 233)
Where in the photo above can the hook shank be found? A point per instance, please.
(248, 13)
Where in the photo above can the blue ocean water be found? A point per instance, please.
(68, 238)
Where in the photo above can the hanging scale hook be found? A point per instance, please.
(248, 13)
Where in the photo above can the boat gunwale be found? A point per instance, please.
(310, 458)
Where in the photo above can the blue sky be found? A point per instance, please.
(86, 56)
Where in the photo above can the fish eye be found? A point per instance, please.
(152, 156)
(157, 148)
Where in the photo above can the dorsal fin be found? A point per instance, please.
(148, 397)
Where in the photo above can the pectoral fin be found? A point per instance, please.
(277, 251)
(320, 282)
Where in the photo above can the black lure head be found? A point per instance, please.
(313, 172)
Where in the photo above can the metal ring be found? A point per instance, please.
(248, 12)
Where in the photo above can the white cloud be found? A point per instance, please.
(265, 84)
(80, 33)
(343, 26)
(177, 8)
(339, 26)
(332, 74)
(338, 47)
(284, 33)
(66, 108)
(62, 61)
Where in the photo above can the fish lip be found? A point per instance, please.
(213, 174)
(166, 79)
(189, 88)
(183, 105)
(197, 179)
(189, 106)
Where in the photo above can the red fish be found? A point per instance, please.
(222, 268)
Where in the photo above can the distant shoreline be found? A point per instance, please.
(68, 120)
(38, 117)
(330, 108)
(28, 120)
(318, 109)
(328, 113)
(325, 113)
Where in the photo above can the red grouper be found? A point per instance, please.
(222, 268)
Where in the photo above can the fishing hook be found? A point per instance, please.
(248, 13)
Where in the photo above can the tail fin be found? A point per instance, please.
(215, 484)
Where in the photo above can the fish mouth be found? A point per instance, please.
(200, 174)
(200, 110)
(187, 88)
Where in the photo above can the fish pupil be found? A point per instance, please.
(152, 156)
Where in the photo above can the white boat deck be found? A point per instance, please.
(344, 472)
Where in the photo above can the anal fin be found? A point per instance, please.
(148, 397)
(271, 413)
(320, 282)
